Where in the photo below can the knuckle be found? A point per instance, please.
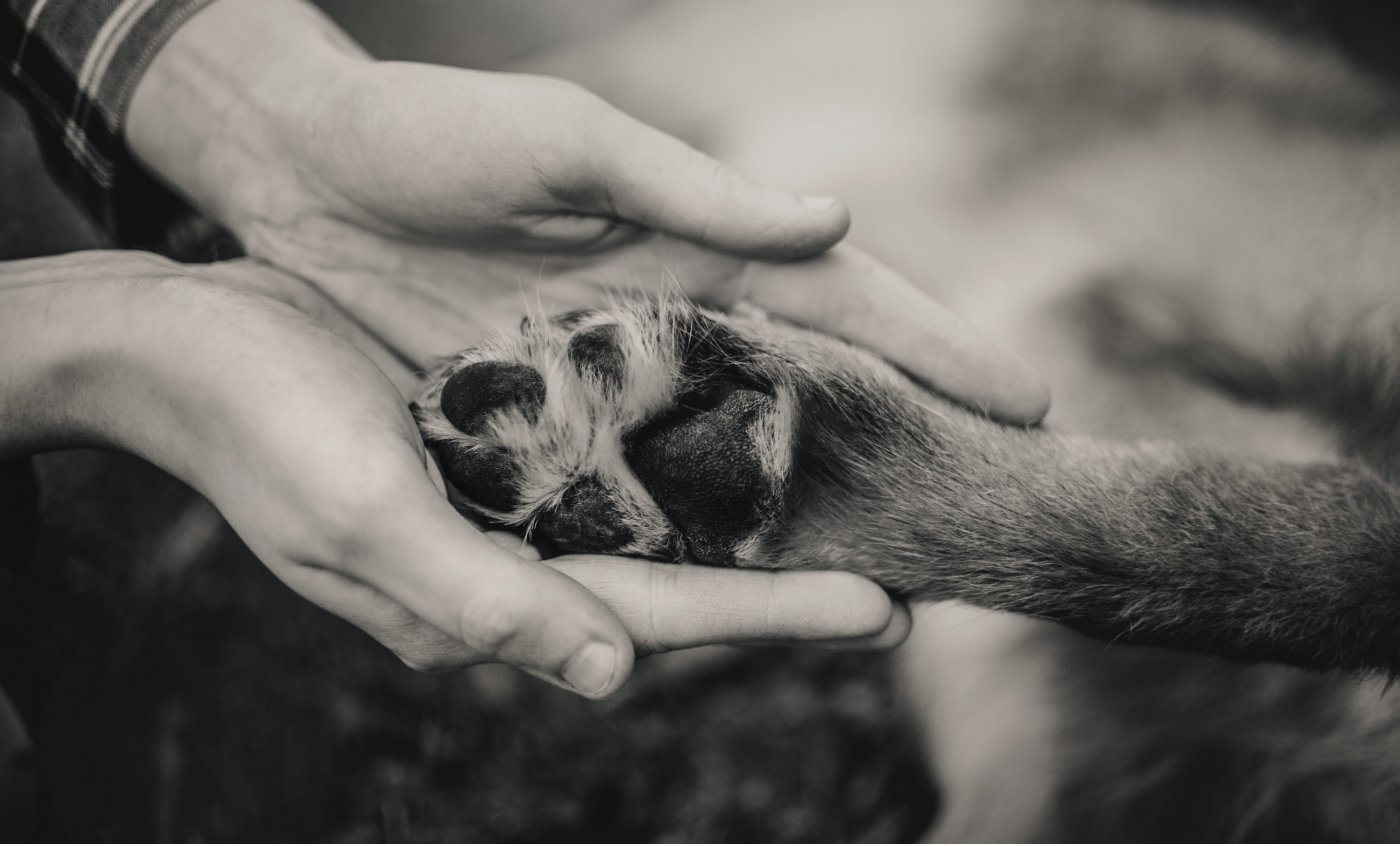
(343, 519)
(564, 102)
(493, 621)
(568, 93)
(186, 291)
(580, 114)
(198, 289)
(347, 521)
(654, 634)
(419, 646)
(194, 292)
(772, 603)
(152, 263)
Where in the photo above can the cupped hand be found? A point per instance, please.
(439, 203)
(228, 377)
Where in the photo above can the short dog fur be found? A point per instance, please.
(655, 428)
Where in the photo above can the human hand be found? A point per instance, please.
(227, 377)
(435, 203)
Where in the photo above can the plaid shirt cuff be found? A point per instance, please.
(74, 64)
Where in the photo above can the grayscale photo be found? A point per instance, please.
(716, 421)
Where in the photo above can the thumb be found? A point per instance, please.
(657, 182)
(502, 606)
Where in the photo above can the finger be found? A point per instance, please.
(849, 294)
(428, 559)
(513, 543)
(651, 179)
(676, 606)
(901, 623)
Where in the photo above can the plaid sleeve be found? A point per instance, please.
(74, 64)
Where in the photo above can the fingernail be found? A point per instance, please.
(818, 203)
(591, 670)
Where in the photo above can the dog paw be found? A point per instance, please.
(650, 428)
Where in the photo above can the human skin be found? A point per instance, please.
(418, 198)
(228, 377)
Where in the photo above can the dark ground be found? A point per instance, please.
(179, 696)
(177, 691)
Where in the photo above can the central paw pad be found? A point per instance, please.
(650, 429)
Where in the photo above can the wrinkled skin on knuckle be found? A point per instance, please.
(255, 277)
(220, 293)
(352, 524)
(591, 139)
(336, 536)
(123, 264)
(494, 621)
(563, 94)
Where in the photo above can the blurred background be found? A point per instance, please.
(176, 691)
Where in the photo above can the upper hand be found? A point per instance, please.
(435, 203)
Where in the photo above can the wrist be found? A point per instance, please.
(219, 112)
(71, 328)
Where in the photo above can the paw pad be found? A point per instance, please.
(597, 351)
(480, 390)
(704, 471)
(647, 429)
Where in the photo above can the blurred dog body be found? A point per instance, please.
(1106, 187)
